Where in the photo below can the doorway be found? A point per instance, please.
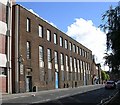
(56, 80)
(29, 83)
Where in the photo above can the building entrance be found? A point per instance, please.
(29, 83)
(56, 80)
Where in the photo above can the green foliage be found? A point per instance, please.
(112, 30)
(107, 77)
(104, 75)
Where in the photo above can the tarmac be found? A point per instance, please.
(115, 100)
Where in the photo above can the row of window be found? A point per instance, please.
(72, 47)
(77, 63)
(70, 64)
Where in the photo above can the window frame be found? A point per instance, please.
(28, 25)
(40, 31)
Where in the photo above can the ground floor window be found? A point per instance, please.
(49, 75)
(75, 76)
(70, 76)
(3, 71)
(63, 78)
(67, 75)
(42, 74)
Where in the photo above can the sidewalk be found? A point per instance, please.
(45, 92)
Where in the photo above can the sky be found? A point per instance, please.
(79, 20)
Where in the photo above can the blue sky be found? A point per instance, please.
(65, 12)
(79, 20)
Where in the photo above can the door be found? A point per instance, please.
(29, 83)
(56, 80)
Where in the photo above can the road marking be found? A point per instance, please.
(41, 101)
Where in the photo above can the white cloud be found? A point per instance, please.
(90, 36)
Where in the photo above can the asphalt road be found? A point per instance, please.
(84, 94)
(92, 97)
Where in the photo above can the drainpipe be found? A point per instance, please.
(16, 50)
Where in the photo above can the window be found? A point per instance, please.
(41, 54)
(66, 60)
(61, 59)
(40, 31)
(48, 35)
(75, 69)
(73, 48)
(28, 25)
(49, 55)
(78, 67)
(74, 63)
(77, 49)
(81, 69)
(28, 50)
(83, 53)
(80, 51)
(71, 69)
(66, 44)
(70, 45)
(41, 63)
(56, 57)
(61, 41)
(3, 71)
(55, 38)
(71, 61)
(49, 75)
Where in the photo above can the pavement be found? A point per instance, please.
(6, 97)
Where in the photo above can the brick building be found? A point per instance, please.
(5, 45)
(43, 57)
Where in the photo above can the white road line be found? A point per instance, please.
(41, 101)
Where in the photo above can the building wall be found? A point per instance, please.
(4, 43)
(29, 68)
(3, 29)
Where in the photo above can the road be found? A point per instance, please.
(84, 94)
(92, 97)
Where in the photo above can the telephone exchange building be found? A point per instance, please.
(43, 57)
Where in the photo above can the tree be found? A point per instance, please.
(104, 76)
(112, 29)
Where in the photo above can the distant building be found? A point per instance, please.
(43, 57)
